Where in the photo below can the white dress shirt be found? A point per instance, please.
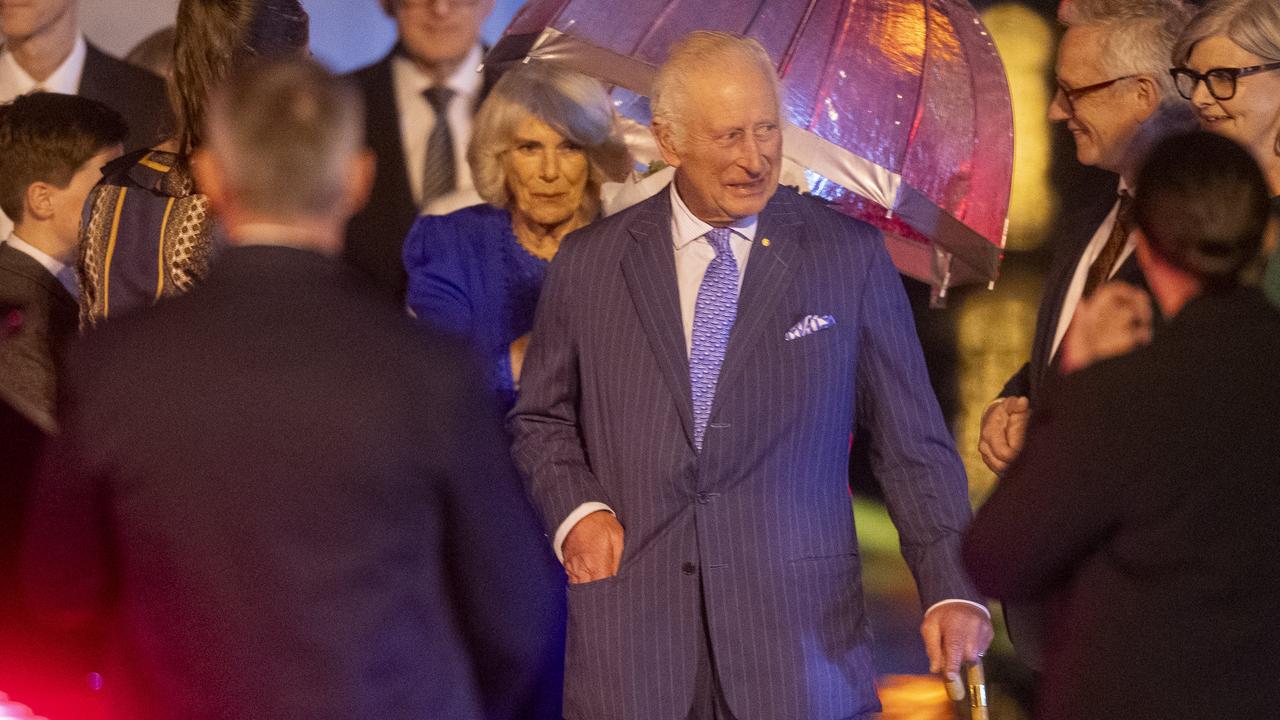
(15, 81)
(60, 270)
(417, 120)
(1091, 252)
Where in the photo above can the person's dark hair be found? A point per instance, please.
(47, 137)
(215, 36)
(1203, 205)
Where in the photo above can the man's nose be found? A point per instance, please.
(752, 158)
(1059, 109)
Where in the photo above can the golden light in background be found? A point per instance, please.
(994, 329)
(1026, 44)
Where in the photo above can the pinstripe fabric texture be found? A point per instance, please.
(762, 513)
(713, 317)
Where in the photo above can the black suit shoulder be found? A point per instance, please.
(136, 94)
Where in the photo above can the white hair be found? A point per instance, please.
(1139, 36)
(669, 98)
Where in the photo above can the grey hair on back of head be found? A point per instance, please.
(285, 130)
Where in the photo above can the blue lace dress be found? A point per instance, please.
(470, 276)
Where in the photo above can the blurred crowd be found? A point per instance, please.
(343, 396)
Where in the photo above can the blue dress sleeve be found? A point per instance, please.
(438, 290)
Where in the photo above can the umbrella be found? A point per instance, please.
(898, 111)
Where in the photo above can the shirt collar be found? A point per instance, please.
(687, 227)
(50, 263)
(15, 81)
(465, 81)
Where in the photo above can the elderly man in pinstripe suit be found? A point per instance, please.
(697, 364)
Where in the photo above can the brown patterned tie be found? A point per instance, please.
(1100, 270)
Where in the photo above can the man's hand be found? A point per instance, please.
(593, 548)
(1004, 428)
(955, 633)
(1113, 321)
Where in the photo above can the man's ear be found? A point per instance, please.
(665, 135)
(1148, 95)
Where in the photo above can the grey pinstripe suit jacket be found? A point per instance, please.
(762, 514)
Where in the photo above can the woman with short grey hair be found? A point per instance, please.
(543, 143)
(1227, 63)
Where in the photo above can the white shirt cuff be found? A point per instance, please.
(578, 513)
(980, 606)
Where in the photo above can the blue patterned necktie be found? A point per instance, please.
(713, 317)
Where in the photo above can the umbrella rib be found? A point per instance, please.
(653, 27)
(794, 44)
(824, 88)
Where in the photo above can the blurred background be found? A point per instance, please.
(972, 346)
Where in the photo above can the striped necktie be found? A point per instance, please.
(713, 317)
(440, 175)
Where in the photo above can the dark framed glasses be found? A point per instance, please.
(1221, 82)
(1073, 95)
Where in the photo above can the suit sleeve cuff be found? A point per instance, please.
(980, 606)
(578, 513)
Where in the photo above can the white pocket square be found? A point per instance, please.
(809, 325)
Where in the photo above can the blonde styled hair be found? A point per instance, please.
(573, 104)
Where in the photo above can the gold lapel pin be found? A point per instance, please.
(765, 242)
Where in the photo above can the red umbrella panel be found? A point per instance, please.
(898, 110)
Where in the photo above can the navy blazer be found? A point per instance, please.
(761, 517)
(1030, 379)
(278, 527)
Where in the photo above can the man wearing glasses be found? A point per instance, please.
(1117, 99)
(420, 101)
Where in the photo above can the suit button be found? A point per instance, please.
(706, 497)
(688, 568)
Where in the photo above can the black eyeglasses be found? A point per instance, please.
(1072, 95)
(1221, 82)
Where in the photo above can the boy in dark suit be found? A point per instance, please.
(52, 149)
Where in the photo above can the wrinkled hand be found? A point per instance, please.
(1115, 320)
(955, 633)
(1004, 428)
(593, 548)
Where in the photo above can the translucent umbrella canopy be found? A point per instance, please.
(898, 110)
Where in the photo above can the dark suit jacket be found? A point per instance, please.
(31, 358)
(1030, 378)
(280, 526)
(376, 235)
(761, 517)
(1148, 494)
(131, 91)
(1026, 620)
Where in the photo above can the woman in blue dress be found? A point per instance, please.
(543, 143)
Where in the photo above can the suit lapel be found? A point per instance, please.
(770, 270)
(649, 268)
